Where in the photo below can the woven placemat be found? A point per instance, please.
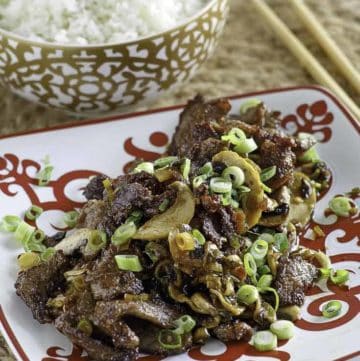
(248, 58)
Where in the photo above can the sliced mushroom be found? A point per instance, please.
(254, 201)
(301, 209)
(181, 212)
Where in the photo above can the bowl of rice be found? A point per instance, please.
(92, 56)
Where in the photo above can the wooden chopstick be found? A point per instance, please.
(327, 43)
(304, 56)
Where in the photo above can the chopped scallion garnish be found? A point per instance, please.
(197, 181)
(251, 103)
(198, 236)
(235, 175)
(128, 262)
(96, 242)
(281, 242)
(123, 234)
(220, 185)
(246, 146)
(264, 281)
(147, 167)
(184, 324)
(274, 292)
(164, 205)
(207, 169)
(185, 168)
(235, 136)
(165, 162)
(44, 175)
(24, 232)
(331, 309)
(33, 213)
(342, 206)
(71, 218)
(169, 340)
(47, 254)
(250, 266)
(135, 217)
(265, 341)
(10, 223)
(339, 277)
(185, 241)
(259, 251)
(267, 173)
(247, 294)
(283, 329)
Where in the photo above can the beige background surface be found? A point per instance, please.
(248, 58)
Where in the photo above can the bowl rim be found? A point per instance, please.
(48, 44)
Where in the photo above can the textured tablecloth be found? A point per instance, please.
(248, 58)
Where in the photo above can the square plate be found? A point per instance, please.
(107, 145)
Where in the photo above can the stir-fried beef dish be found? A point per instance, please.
(202, 242)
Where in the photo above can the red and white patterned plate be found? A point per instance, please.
(107, 145)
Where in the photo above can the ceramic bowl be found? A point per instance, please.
(109, 77)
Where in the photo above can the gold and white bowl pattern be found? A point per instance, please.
(106, 78)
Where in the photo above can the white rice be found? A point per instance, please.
(93, 21)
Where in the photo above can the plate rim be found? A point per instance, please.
(127, 116)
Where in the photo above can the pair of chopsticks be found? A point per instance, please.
(309, 62)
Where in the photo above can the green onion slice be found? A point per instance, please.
(33, 212)
(269, 238)
(96, 241)
(339, 277)
(10, 223)
(198, 236)
(264, 281)
(264, 269)
(251, 103)
(185, 168)
(235, 136)
(283, 329)
(47, 254)
(24, 232)
(207, 169)
(281, 242)
(265, 341)
(246, 146)
(123, 234)
(128, 262)
(164, 205)
(197, 181)
(34, 245)
(44, 175)
(235, 175)
(325, 272)
(244, 189)
(267, 173)
(331, 309)
(276, 296)
(220, 185)
(135, 217)
(247, 294)
(85, 326)
(266, 188)
(169, 340)
(310, 156)
(250, 266)
(184, 324)
(341, 206)
(147, 167)
(259, 250)
(71, 218)
(165, 162)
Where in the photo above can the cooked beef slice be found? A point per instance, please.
(294, 276)
(36, 285)
(233, 331)
(148, 335)
(145, 179)
(272, 154)
(107, 282)
(95, 188)
(156, 312)
(121, 334)
(96, 349)
(196, 125)
(92, 214)
(260, 116)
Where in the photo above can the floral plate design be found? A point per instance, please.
(108, 145)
